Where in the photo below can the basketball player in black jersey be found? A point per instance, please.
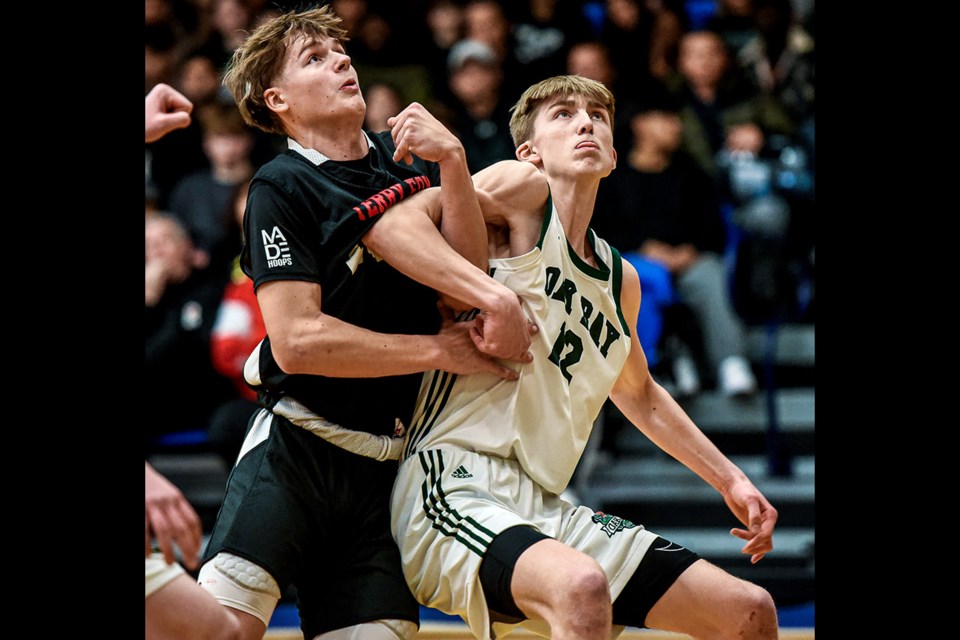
(347, 295)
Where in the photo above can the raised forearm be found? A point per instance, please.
(408, 239)
(461, 223)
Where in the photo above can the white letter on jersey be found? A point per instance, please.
(276, 249)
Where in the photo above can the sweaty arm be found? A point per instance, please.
(512, 196)
(407, 236)
(416, 130)
(306, 340)
(658, 416)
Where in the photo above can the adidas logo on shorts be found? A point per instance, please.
(461, 472)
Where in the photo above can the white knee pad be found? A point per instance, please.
(240, 584)
(378, 630)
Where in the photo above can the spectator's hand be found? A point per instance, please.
(416, 131)
(753, 510)
(171, 519)
(166, 109)
(745, 137)
(155, 281)
(675, 259)
(685, 255)
(460, 354)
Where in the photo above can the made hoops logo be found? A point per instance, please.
(611, 524)
(276, 248)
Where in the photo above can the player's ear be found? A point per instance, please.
(526, 152)
(274, 100)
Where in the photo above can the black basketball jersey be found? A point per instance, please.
(305, 222)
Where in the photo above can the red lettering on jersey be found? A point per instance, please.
(380, 202)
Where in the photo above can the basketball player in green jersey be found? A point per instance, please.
(476, 508)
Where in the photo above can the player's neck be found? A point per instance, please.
(574, 200)
(336, 140)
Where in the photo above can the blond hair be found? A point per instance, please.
(525, 111)
(257, 62)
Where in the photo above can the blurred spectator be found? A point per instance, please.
(171, 158)
(642, 36)
(734, 23)
(369, 32)
(544, 31)
(481, 115)
(202, 199)
(446, 25)
(160, 55)
(180, 16)
(228, 23)
(591, 59)
(174, 606)
(721, 111)
(772, 202)
(198, 78)
(745, 139)
(181, 298)
(660, 204)
(487, 22)
(237, 330)
(384, 100)
(779, 59)
(384, 34)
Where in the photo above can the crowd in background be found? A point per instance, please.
(712, 199)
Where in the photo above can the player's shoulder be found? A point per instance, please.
(511, 171)
(518, 185)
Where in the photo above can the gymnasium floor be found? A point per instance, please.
(796, 623)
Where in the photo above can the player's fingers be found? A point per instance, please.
(402, 149)
(176, 120)
(750, 547)
(181, 104)
(477, 338)
(758, 544)
(161, 531)
(147, 531)
(186, 531)
(499, 370)
(754, 517)
(173, 99)
(404, 138)
(743, 534)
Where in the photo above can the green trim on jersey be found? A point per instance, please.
(617, 261)
(441, 384)
(445, 518)
(601, 273)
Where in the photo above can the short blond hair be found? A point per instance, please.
(256, 63)
(525, 111)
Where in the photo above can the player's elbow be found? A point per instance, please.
(375, 240)
(290, 352)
